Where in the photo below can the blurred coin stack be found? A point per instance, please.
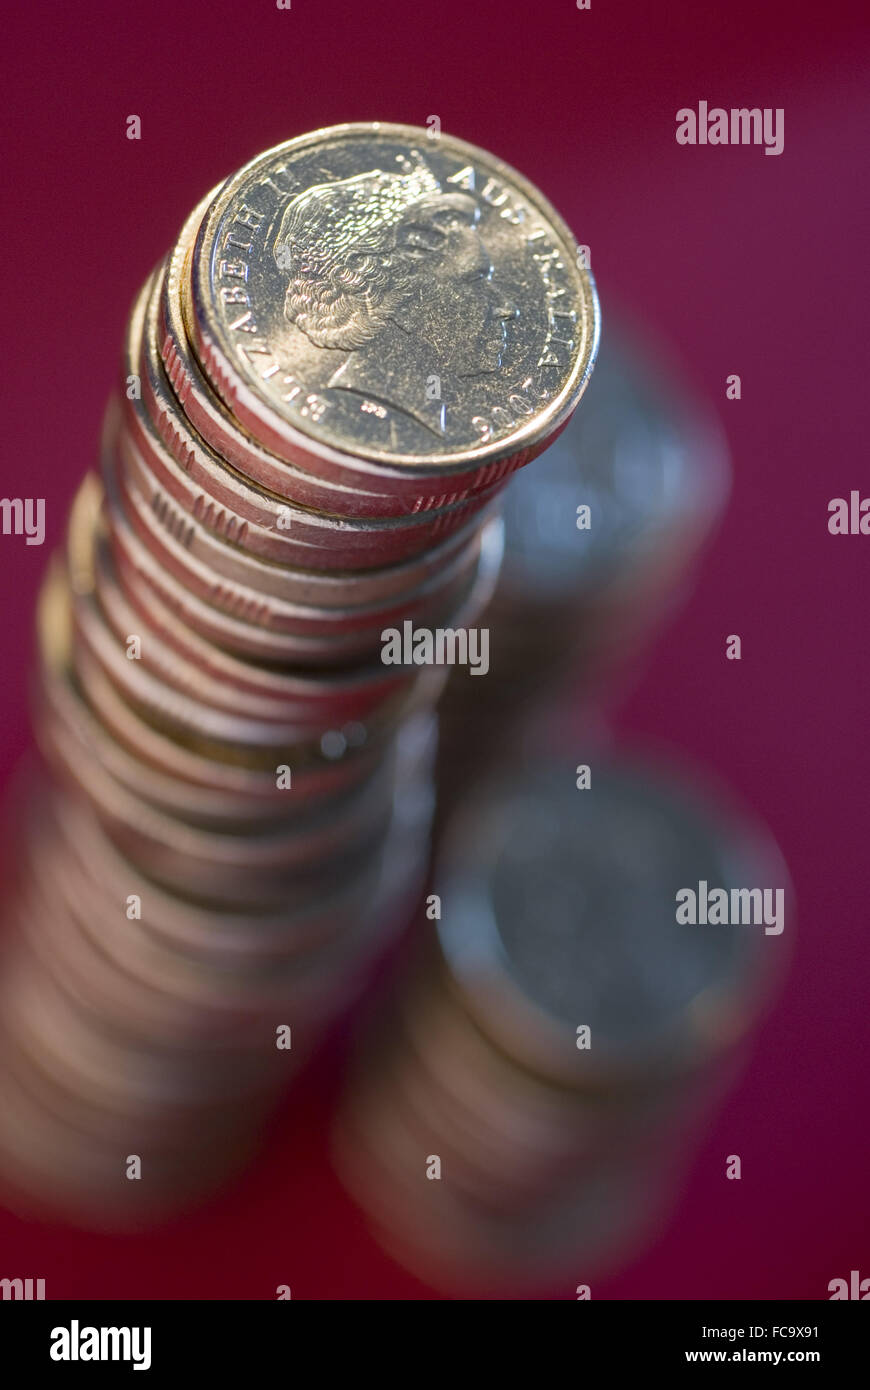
(599, 547)
(235, 817)
(525, 1113)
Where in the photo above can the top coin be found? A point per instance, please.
(366, 290)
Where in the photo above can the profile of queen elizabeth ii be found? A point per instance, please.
(391, 269)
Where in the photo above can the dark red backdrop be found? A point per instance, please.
(744, 263)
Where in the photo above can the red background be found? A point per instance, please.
(742, 263)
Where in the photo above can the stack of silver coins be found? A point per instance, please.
(524, 1114)
(600, 542)
(354, 342)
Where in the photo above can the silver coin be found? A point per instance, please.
(339, 694)
(314, 637)
(62, 711)
(266, 578)
(214, 422)
(564, 914)
(226, 500)
(459, 249)
(170, 703)
(202, 934)
(239, 635)
(222, 787)
(652, 470)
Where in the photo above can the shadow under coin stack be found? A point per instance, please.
(562, 1033)
(355, 341)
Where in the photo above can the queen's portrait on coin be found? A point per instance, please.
(391, 269)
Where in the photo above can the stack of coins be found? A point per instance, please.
(353, 344)
(599, 545)
(523, 1116)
